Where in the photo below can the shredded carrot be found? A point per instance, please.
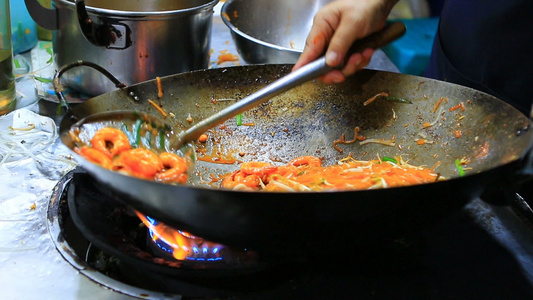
(438, 104)
(158, 107)
(458, 133)
(159, 87)
(420, 142)
(460, 105)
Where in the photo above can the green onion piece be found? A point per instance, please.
(49, 51)
(396, 99)
(43, 80)
(459, 167)
(138, 127)
(16, 63)
(386, 158)
(161, 139)
(238, 119)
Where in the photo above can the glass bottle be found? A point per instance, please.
(7, 78)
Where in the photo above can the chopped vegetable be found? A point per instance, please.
(161, 139)
(138, 126)
(459, 167)
(158, 107)
(391, 142)
(390, 159)
(203, 138)
(428, 124)
(42, 79)
(238, 119)
(437, 105)
(385, 96)
(159, 87)
(460, 105)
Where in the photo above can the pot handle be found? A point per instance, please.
(112, 36)
(44, 17)
(58, 87)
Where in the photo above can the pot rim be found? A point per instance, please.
(138, 14)
(235, 30)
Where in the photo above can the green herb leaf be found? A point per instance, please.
(238, 119)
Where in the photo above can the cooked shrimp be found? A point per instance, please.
(308, 160)
(261, 169)
(257, 168)
(139, 162)
(95, 156)
(110, 141)
(174, 168)
(238, 180)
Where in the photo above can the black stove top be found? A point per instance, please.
(458, 258)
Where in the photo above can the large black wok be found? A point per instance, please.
(306, 121)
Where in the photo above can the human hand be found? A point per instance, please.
(336, 27)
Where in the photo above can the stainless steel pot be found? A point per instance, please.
(133, 39)
(271, 31)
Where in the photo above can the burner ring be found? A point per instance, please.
(142, 274)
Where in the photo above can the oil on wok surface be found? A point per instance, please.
(448, 127)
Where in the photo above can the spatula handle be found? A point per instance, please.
(308, 72)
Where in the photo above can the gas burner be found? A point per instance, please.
(115, 254)
(121, 249)
(179, 245)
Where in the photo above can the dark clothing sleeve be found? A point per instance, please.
(488, 46)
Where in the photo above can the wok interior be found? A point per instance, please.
(308, 119)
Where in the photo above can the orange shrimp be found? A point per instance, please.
(110, 141)
(139, 162)
(95, 156)
(257, 168)
(174, 168)
(261, 169)
(240, 180)
(308, 160)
